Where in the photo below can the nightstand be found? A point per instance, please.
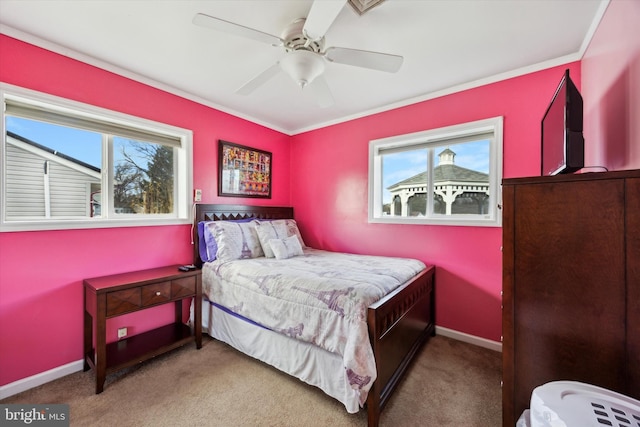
(110, 296)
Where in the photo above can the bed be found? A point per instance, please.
(397, 324)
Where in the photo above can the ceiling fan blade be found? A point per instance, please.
(259, 80)
(364, 58)
(319, 90)
(321, 16)
(236, 29)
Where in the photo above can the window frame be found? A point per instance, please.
(183, 164)
(431, 139)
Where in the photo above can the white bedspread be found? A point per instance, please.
(320, 297)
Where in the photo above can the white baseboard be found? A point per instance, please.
(39, 379)
(471, 339)
(64, 370)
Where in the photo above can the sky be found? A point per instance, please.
(79, 144)
(82, 145)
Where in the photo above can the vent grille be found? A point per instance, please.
(610, 415)
(362, 6)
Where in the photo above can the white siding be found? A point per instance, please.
(25, 183)
(68, 183)
(69, 191)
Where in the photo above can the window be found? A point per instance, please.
(71, 165)
(447, 176)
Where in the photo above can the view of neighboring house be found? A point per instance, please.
(457, 190)
(44, 183)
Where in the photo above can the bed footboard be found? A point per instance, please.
(398, 326)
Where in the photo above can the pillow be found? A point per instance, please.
(235, 240)
(266, 232)
(202, 243)
(286, 248)
(276, 229)
(207, 246)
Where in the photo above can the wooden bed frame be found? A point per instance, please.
(399, 324)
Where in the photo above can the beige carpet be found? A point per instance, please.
(450, 384)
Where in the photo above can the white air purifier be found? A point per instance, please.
(575, 404)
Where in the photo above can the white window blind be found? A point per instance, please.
(61, 116)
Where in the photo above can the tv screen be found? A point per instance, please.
(562, 139)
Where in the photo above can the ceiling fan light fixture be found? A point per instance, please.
(302, 66)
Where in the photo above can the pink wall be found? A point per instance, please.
(41, 288)
(611, 89)
(331, 205)
(41, 306)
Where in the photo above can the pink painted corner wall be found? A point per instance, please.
(331, 204)
(41, 273)
(611, 89)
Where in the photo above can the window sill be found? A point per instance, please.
(13, 226)
(467, 222)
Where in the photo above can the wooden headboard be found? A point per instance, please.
(215, 212)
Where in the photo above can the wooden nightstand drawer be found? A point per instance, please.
(119, 302)
(158, 293)
(184, 287)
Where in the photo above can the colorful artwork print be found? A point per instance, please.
(243, 171)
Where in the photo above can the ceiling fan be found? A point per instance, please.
(303, 41)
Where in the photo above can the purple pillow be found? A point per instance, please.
(202, 244)
(207, 246)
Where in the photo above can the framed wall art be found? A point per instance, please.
(243, 171)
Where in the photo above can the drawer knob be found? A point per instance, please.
(158, 293)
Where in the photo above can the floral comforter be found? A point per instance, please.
(320, 297)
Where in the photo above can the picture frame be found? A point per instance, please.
(243, 171)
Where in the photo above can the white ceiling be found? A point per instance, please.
(447, 45)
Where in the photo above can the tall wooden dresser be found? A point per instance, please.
(571, 284)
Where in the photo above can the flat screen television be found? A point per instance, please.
(562, 139)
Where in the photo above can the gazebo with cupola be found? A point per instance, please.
(457, 190)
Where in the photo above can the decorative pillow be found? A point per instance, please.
(235, 240)
(266, 232)
(286, 248)
(276, 229)
(207, 245)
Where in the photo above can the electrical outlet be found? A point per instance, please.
(122, 332)
(197, 195)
